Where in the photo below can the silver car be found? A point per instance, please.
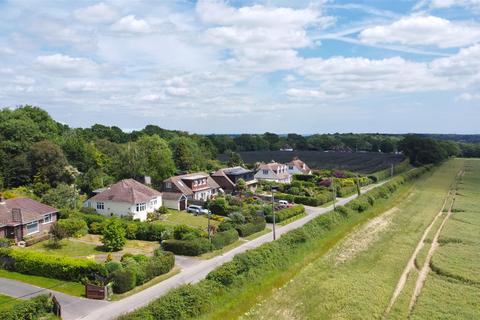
(197, 209)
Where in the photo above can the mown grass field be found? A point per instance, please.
(182, 217)
(452, 288)
(364, 162)
(356, 278)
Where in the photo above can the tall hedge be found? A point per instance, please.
(193, 301)
(244, 230)
(222, 239)
(286, 213)
(40, 264)
(194, 247)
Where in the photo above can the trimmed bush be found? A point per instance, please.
(123, 280)
(194, 247)
(40, 264)
(73, 227)
(34, 308)
(161, 263)
(286, 213)
(222, 239)
(247, 229)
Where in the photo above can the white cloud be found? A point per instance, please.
(311, 94)
(65, 64)
(450, 3)
(130, 24)
(152, 97)
(97, 13)
(468, 97)
(177, 92)
(23, 80)
(424, 31)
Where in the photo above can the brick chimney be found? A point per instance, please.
(17, 215)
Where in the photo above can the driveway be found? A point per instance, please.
(72, 307)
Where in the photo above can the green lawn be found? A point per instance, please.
(71, 288)
(182, 217)
(360, 286)
(90, 246)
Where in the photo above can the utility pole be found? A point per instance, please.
(391, 171)
(273, 212)
(208, 226)
(334, 193)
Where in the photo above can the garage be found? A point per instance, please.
(174, 200)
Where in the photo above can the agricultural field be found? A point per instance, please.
(357, 277)
(452, 287)
(364, 162)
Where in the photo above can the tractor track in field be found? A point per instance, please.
(411, 262)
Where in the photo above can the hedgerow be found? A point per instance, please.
(286, 213)
(224, 238)
(40, 264)
(191, 301)
(194, 247)
(244, 230)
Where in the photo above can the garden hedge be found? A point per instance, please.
(193, 301)
(194, 247)
(34, 308)
(222, 239)
(244, 230)
(286, 213)
(41, 264)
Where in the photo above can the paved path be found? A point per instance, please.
(72, 307)
(193, 273)
(193, 270)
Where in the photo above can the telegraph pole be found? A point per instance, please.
(334, 193)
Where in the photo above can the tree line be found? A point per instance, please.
(41, 153)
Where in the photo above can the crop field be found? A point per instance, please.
(452, 287)
(364, 162)
(356, 279)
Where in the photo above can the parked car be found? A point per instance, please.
(197, 209)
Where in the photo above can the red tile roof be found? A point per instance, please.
(128, 190)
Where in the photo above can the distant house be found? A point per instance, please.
(24, 217)
(126, 198)
(297, 166)
(195, 186)
(227, 178)
(273, 171)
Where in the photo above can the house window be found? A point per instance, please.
(195, 183)
(168, 185)
(265, 171)
(32, 227)
(100, 206)
(47, 218)
(153, 202)
(141, 207)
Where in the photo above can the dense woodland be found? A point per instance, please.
(44, 155)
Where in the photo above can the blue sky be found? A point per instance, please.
(214, 66)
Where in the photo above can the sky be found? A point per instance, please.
(215, 66)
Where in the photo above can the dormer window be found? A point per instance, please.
(265, 171)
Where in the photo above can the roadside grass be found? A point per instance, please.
(7, 302)
(146, 285)
(182, 217)
(212, 254)
(71, 288)
(359, 288)
(452, 288)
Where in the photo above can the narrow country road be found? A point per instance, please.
(193, 273)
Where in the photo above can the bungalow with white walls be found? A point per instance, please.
(126, 198)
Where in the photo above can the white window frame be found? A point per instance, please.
(45, 216)
(141, 207)
(100, 205)
(32, 223)
(168, 185)
(265, 171)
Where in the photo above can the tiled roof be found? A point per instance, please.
(183, 188)
(31, 210)
(270, 166)
(300, 165)
(172, 195)
(128, 190)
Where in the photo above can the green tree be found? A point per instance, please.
(156, 157)
(241, 186)
(187, 154)
(113, 235)
(234, 159)
(62, 197)
(49, 162)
